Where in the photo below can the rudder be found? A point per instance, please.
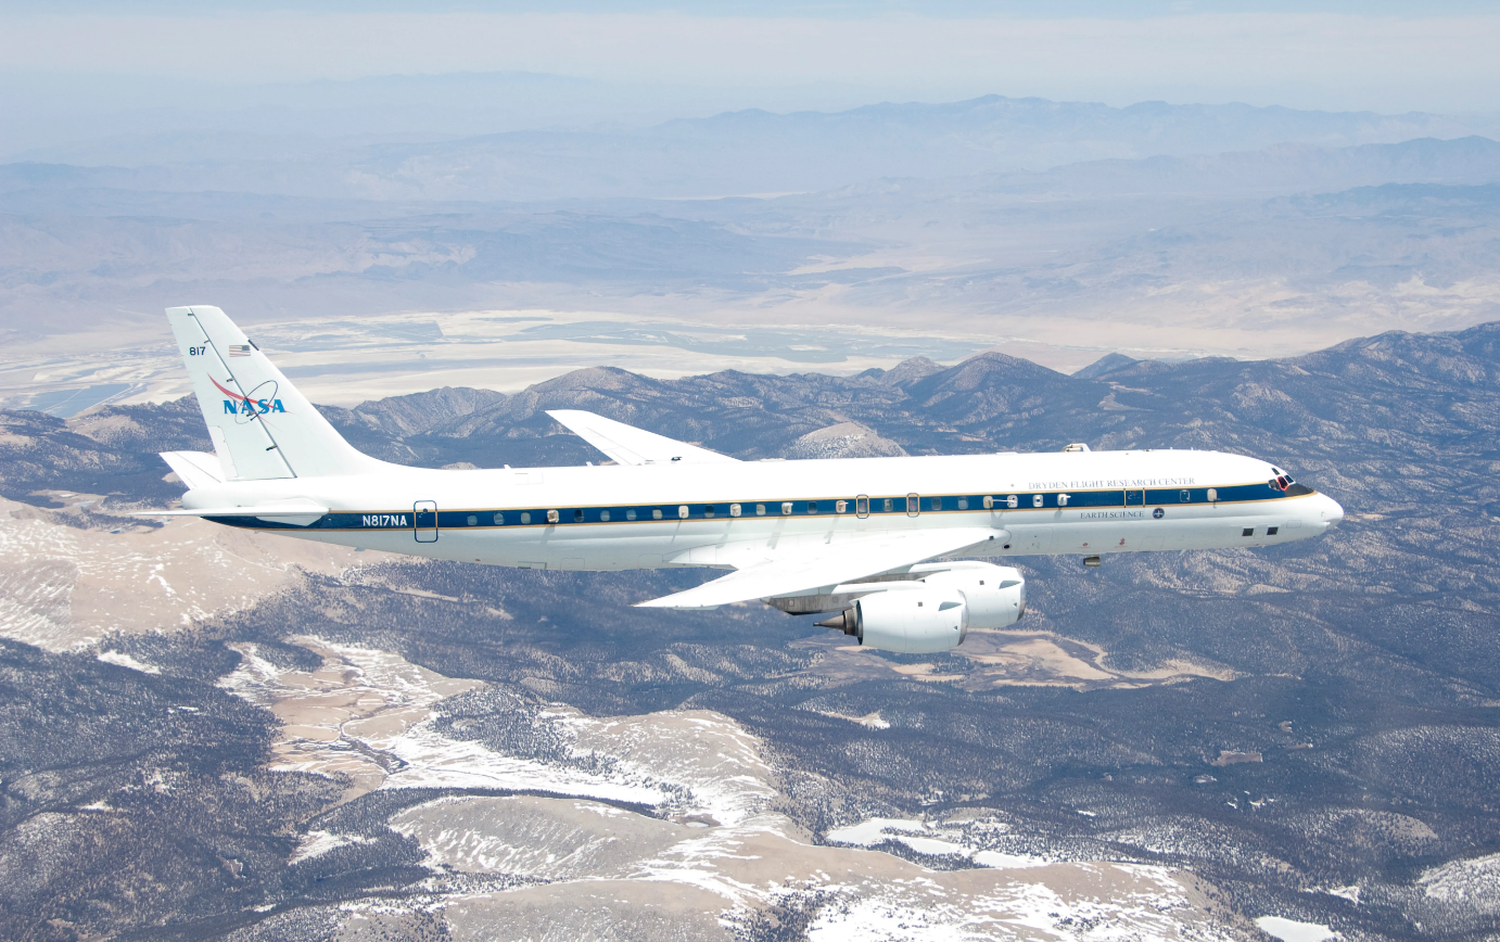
(261, 426)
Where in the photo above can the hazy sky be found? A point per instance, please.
(1438, 56)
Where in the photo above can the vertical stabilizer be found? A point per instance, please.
(261, 426)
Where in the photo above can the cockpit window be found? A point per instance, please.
(1281, 481)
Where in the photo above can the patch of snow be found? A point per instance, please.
(917, 836)
(998, 861)
(383, 702)
(122, 659)
(1461, 880)
(318, 843)
(1350, 893)
(872, 832)
(432, 760)
(1290, 930)
(710, 756)
(1144, 904)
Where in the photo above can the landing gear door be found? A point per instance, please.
(424, 521)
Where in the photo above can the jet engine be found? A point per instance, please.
(934, 612)
(909, 621)
(994, 596)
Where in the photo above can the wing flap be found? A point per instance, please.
(802, 573)
(626, 444)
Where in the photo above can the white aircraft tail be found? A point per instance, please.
(261, 426)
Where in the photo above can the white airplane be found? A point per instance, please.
(870, 539)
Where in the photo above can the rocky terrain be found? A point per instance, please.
(1170, 746)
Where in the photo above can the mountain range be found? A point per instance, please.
(1310, 729)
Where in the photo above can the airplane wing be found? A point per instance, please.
(832, 564)
(626, 444)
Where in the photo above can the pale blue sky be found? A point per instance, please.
(1119, 9)
(1377, 55)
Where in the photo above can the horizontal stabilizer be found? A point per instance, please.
(804, 573)
(195, 468)
(626, 444)
(298, 512)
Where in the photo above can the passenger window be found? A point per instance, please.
(890, 505)
(1272, 531)
(682, 512)
(604, 516)
(577, 516)
(760, 510)
(655, 513)
(553, 516)
(734, 510)
(630, 515)
(499, 520)
(861, 506)
(812, 506)
(841, 506)
(963, 503)
(525, 516)
(1013, 502)
(786, 507)
(708, 510)
(936, 503)
(1036, 500)
(989, 502)
(913, 505)
(1248, 531)
(1187, 496)
(473, 520)
(1062, 500)
(1213, 494)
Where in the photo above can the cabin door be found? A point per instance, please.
(424, 521)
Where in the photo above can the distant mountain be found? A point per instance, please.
(1287, 168)
(743, 152)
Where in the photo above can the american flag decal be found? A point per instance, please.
(239, 349)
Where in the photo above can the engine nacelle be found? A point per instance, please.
(994, 596)
(935, 612)
(911, 621)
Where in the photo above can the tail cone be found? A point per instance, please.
(846, 622)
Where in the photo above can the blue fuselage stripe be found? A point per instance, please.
(508, 517)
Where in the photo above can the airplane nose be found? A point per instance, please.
(1330, 510)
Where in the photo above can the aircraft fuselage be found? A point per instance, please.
(627, 517)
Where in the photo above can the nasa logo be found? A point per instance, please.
(252, 406)
(237, 404)
(1158, 513)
